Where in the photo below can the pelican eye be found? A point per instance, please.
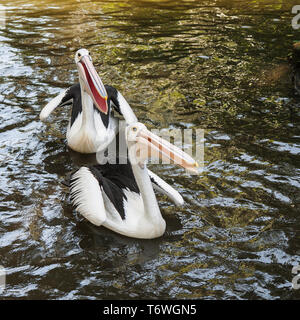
(134, 128)
(79, 54)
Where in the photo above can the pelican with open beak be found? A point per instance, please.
(92, 127)
(120, 197)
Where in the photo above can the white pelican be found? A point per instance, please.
(92, 126)
(121, 197)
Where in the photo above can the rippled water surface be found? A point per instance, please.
(215, 65)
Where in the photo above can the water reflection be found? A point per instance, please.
(217, 65)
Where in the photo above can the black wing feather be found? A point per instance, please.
(112, 94)
(114, 178)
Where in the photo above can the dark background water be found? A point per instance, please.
(214, 65)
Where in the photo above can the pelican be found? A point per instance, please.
(121, 197)
(92, 127)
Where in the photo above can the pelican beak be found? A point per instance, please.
(92, 83)
(157, 147)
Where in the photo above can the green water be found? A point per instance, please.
(214, 65)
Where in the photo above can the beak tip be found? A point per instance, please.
(194, 169)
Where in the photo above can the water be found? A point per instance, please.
(215, 65)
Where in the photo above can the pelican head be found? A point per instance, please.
(90, 81)
(143, 144)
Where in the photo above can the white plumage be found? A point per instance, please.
(137, 214)
(87, 196)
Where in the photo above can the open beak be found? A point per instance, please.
(156, 147)
(92, 83)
